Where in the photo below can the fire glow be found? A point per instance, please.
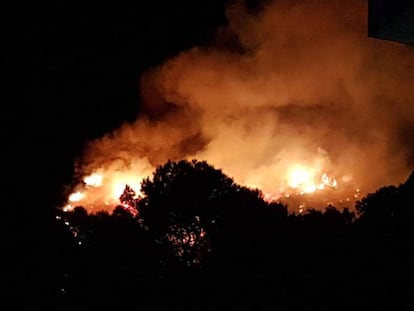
(311, 107)
(306, 181)
(101, 190)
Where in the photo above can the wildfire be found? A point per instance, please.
(94, 180)
(306, 180)
(259, 116)
(101, 190)
(76, 196)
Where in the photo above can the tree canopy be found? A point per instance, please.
(199, 239)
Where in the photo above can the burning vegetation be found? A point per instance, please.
(300, 104)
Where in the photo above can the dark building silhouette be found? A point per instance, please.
(391, 20)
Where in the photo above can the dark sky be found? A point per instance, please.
(71, 72)
(72, 75)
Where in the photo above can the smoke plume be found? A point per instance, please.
(299, 83)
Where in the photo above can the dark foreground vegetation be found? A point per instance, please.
(202, 242)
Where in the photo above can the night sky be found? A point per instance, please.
(72, 72)
(72, 75)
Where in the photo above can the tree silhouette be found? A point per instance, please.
(129, 200)
(404, 203)
(378, 208)
(191, 214)
(334, 217)
(389, 210)
(180, 205)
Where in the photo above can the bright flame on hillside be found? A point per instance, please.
(101, 190)
(76, 196)
(295, 79)
(306, 180)
(93, 180)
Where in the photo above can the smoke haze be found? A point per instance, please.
(298, 83)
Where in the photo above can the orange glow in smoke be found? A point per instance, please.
(306, 179)
(94, 180)
(101, 190)
(76, 196)
(305, 111)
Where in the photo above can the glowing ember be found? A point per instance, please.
(68, 208)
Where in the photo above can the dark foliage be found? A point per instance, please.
(200, 241)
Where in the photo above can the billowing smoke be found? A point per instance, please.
(297, 84)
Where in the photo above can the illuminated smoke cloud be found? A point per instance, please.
(298, 84)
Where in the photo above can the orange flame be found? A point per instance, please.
(307, 180)
(101, 189)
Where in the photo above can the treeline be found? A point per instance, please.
(199, 241)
